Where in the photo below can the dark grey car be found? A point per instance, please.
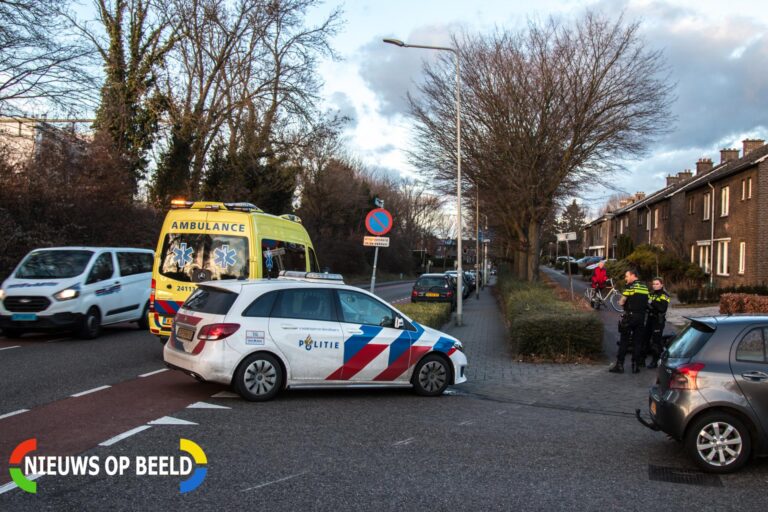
(711, 391)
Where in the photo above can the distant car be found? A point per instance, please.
(467, 286)
(588, 260)
(711, 391)
(306, 330)
(561, 260)
(434, 288)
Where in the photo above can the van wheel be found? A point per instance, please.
(259, 378)
(91, 326)
(143, 321)
(431, 376)
(718, 442)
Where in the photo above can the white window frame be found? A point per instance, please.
(656, 218)
(749, 188)
(721, 265)
(707, 205)
(648, 220)
(725, 200)
(704, 257)
(743, 189)
(742, 257)
(693, 253)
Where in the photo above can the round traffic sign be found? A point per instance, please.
(378, 221)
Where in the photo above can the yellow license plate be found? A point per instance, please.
(185, 334)
(653, 408)
(432, 294)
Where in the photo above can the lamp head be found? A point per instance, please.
(395, 42)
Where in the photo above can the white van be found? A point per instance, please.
(76, 288)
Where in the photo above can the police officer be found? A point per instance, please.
(658, 302)
(635, 302)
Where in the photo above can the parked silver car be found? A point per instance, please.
(711, 391)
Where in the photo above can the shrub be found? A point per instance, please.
(554, 335)
(709, 294)
(433, 314)
(732, 303)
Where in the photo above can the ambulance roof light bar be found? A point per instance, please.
(245, 207)
(291, 217)
(181, 203)
(316, 277)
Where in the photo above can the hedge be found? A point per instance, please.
(731, 303)
(709, 294)
(433, 314)
(573, 334)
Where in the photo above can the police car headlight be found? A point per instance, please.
(458, 346)
(68, 294)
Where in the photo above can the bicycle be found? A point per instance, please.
(598, 297)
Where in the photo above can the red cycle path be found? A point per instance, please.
(74, 425)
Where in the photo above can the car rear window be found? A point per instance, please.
(688, 343)
(213, 301)
(429, 282)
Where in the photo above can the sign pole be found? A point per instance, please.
(373, 274)
(568, 254)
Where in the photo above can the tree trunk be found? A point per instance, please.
(534, 247)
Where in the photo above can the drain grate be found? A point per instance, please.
(682, 476)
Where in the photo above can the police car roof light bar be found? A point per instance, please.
(311, 276)
(245, 207)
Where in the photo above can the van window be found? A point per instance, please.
(210, 300)
(102, 269)
(196, 257)
(131, 263)
(54, 264)
(277, 255)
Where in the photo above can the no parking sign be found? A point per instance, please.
(378, 221)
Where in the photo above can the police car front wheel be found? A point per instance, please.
(259, 377)
(431, 376)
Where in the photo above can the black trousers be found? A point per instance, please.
(654, 343)
(631, 334)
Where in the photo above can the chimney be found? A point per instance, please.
(728, 154)
(686, 174)
(752, 144)
(704, 165)
(625, 202)
(639, 196)
(672, 180)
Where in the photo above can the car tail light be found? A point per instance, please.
(449, 293)
(414, 293)
(152, 296)
(215, 332)
(684, 377)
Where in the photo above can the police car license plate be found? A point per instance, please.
(432, 294)
(184, 333)
(24, 317)
(653, 408)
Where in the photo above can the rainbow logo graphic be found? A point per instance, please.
(198, 475)
(25, 447)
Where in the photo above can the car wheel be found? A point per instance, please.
(718, 442)
(431, 376)
(91, 326)
(259, 378)
(143, 321)
(163, 339)
(10, 332)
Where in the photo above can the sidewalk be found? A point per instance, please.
(493, 374)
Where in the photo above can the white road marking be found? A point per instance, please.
(154, 372)
(14, 413)
(120, 437)
(204, 405)
(12, 485)
(6, 348)
(275, 481)
(89, 391)
(404, 442)
(225, 394)
(168, 420)
(465, 423)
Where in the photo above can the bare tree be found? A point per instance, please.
(40, 66)
(546, 112)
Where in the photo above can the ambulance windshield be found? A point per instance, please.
(194, 257)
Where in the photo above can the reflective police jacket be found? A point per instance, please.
(637, 298)
(658, 302)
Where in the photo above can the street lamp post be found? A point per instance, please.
(459, 270)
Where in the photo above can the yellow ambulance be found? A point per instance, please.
(206, 241)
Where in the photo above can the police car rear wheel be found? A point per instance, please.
(259, 378)
(431, 376)
(91, 326)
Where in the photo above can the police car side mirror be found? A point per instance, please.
(399, 323)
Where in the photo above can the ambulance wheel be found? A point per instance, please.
(259, 377)
(431, 376)
(91, 326)
(10, 332)
(163, 339)
(143, 321)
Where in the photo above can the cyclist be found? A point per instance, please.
(599, 280)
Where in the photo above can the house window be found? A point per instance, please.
(621, 227)
(693, 253)
(648, 221)
(743, 189)
(749, 188)
(725, 194)
(707, 205)
(639, 218)
(722, 258)
(656, 218)
(691, 206)
(742, 257)
(704, 258)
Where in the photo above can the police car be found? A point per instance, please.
(306, 329)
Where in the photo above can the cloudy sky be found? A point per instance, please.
(717, 52)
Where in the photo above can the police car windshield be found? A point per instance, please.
(195, 257)
(54, 264)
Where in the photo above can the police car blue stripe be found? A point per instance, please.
(443, 345)
(403, 343)
(354, 344)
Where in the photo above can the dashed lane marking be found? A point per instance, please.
(120, 437)
(89, 391)
(169, 420)
(13, 346)
(204, 405)
(225, 394)
(275, 481)
(161, 370)
(14, 413)
(404, 442)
